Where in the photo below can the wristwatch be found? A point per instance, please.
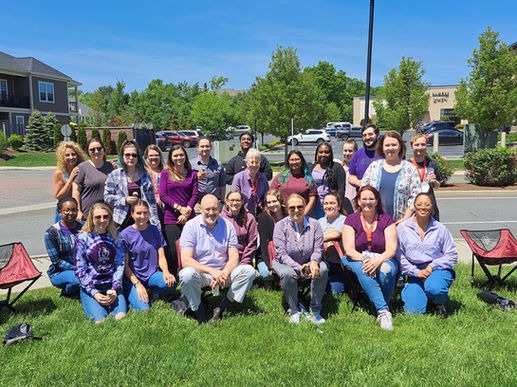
(136, 282)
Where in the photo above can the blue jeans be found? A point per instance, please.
(380, 288)
(336, 281)
(96, 312)
(155, 283)
(67, 281)
(417, 292)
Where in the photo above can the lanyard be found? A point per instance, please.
(420, 175)
(369, 229)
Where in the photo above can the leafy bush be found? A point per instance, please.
(15, 141)
(73, 135)
(3, 142)
(444, 166)
(38, 137)
(122, 136)
(460, 126)
(491, 167)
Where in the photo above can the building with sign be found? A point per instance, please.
(441, 104)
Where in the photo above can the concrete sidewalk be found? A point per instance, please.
(42, 263)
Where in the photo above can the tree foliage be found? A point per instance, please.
(284, 93)
(106, 140)
(50, 121)
(215, 112)
(488, 97)
(404, 98)
(38, 138)
(81, 136)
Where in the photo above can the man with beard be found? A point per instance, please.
(238, 162)
(364, 156)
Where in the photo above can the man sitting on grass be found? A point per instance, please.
(209, 257)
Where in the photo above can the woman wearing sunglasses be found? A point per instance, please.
(88, 186)
(298, 241)
(126, 185)
(99, 266)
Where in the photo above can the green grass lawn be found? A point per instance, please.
(255, 345)
(30, 159)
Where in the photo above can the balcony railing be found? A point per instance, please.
(16, 101)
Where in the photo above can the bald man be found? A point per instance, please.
(209, 257)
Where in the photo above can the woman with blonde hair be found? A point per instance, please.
(153, 157)
(68, 156)
(99, 266)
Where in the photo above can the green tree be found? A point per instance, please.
(284, 93)
(58, 136)
(36, 137)
(95, 133)
(50, 121)
(404, 98)
(214, 112)
(122, 136)
(106, 140)
(81, 136)
(488, 97)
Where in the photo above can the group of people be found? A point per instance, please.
(129, 231)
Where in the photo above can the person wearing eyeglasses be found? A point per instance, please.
(99, 266)
(245, 226)
(126, 185)
(298, 241)
(427, 255)
(370, 242)
(88, 186)
(59, 242)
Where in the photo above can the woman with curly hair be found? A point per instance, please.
(68, 156)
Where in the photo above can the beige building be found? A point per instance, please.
(441, 103)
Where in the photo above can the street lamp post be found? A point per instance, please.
(369, 64)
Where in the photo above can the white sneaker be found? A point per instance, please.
(385, 321)
(315, 318)
(295, 318)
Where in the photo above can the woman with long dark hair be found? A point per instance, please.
(296, 178)
(178, 192)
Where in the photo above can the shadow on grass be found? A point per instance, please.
(42, 306)
(510, 284)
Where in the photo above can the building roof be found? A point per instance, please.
(31, 66)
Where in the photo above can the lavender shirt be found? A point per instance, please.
(253, 202)
(296, 247)
(360, 162)
(247, 235)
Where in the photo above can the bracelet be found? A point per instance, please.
(136, 282)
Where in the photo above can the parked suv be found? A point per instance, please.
(352, 131)
(438, 125)
(312, 135)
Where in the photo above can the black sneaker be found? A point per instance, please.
(201, 314)
(440, 310)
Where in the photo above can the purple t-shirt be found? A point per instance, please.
(142, 247)
(378, 240)
(360, 162)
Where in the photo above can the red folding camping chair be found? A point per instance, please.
(492, 248)
(16, 268)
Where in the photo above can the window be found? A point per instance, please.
(46, 91)
(3, 89)
(20, 124)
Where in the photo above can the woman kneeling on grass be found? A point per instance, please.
(143, 244)
(370, 242)
(99, 266)
(427, 256)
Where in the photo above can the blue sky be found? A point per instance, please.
(100, 42)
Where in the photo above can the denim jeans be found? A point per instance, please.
(156, 283)
(417, 292)
(336, 279)
(95, 311)
(380, 288)
(67, 281)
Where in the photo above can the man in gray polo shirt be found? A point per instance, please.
(209, 257)
(210, 172)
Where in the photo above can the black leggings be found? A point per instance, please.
(172, 234)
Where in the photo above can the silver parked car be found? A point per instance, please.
(310, 136)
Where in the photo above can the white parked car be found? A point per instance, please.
(311, 135)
